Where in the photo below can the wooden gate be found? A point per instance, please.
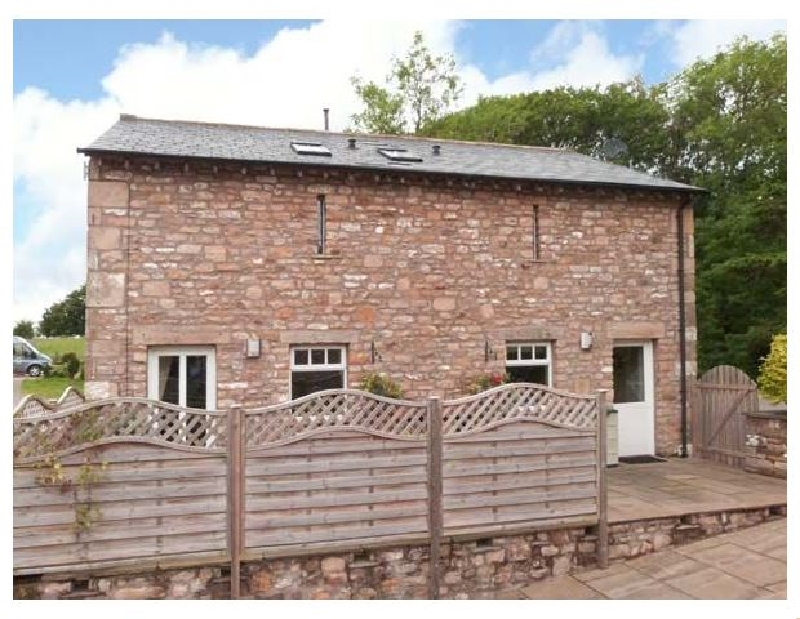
(722, 397)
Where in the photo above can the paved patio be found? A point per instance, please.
(748, 564)
(686, 486)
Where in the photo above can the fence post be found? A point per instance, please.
(602, 488)
(235, 495)
(435, 520)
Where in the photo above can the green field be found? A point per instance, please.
(53, 346)
(49, 388)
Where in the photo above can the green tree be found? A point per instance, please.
(66, 317)
(584, 120)
(772, 377)
(24, 328)
(732, 114)
(420, 87)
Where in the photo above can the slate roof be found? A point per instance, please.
(136, 135)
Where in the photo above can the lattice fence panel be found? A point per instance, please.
(518, 401)
(336, 408)
(40, 435)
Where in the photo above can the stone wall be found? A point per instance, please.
(766, 443)
(429, 270)
(470, 569)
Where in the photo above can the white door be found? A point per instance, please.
(633, 397)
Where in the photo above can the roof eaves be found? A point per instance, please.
(549, 181)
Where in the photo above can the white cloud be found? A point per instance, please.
(286, 82)
(703, 38)
(591, 62)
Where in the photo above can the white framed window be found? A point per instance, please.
(182, 375)
(316, 368)
(529, 362)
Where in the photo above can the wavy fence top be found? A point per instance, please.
(33, 405)
(515, 402)
(135, 419)
(118, 420)
(345, 409)
(403, 419)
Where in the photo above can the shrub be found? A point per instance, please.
(772, 377)
(380, 385)
(71, 363)
(57, 371)
(81, 373)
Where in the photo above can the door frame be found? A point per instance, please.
(649, 386)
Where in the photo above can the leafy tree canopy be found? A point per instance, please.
(24, 328)
(66, 317)
(420, 88)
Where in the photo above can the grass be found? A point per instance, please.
(49, 388)
(53, 346)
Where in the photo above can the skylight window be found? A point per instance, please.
(311, 148)
(398, 154)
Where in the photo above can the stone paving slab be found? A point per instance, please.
(561, 588)
(712, 584)
(633, 585)
(742, 563)
(665, 564)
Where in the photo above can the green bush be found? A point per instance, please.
(772, 377)
(81, 373)
(71, 363)
(57, 371)
(380, 385)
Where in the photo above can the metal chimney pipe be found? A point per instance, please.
(325, 110)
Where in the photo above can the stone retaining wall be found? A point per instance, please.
(766, 443)
(471, 569)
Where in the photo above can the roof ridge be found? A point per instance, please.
(389, 136)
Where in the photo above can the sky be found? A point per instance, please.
(72, 79)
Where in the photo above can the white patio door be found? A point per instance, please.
(633, 397)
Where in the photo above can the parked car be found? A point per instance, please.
(28, 360)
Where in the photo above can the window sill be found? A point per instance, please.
(530, 261)
(324, 257)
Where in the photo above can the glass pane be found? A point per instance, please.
(300, 356)
(318, 356)
(334, 356)
(511, 353)
(628, 374)
(526, 352)
(528, 374)
(304, 383)
(168, 379)
(196, 381)
(540, 352)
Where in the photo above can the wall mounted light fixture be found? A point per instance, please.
(253, 348)
(586, 340)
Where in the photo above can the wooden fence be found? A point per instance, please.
(126, 480)
(722, 398)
